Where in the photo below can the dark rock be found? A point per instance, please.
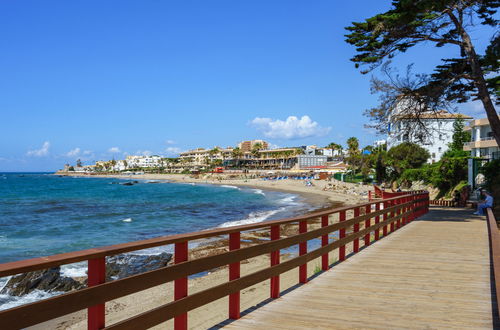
(48, 280)
(125, 265)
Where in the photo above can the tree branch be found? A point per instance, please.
(429, 38)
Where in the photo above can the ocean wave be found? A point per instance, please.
(78, 269)
(253, 217)
(8, 301)
(228, 186)
(3, 282)
(258, 192)
(154, 251)
(289, 200)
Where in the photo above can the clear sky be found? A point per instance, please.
(101, 79)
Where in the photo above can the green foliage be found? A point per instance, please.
(406, 156)
(460, 137)
(469, 75)
(444, 175)
(491, 173)
(353, 145)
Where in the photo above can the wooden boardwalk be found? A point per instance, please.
(433, 273)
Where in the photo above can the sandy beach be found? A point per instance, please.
(321, 194)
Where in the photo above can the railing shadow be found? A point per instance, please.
(452, 214)
(284, 292)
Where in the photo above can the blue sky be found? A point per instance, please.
(100, 79)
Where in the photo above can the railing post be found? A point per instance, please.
(392, 203)
(96, 275)
(234, 273)
(341, 235)
(275, 260)
(324, 242)
(368, 210)
(398, 212)
(356, 229)
(386, 215)
(302, 251)
(180, 284)
(377, 220)
(403, 219)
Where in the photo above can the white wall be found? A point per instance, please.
(436, 142)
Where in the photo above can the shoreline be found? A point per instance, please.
(216, 312)
(315, 195)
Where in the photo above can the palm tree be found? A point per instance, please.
(353, 145)
(237, 153)
(334, 146)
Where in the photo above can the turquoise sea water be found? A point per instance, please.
(43, 214)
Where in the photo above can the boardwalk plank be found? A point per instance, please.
(433, 273)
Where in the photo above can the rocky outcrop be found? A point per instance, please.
(48, 280)
(51, 280)
(125, 265)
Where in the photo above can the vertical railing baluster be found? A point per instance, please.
(275, 260)
(403, 210)
(96, 275)
(393, 213)
(377, 220)
(341, 235)
(356, 229)
(234, 273)
(398, 212)
(386, 215)
(181, 284)
(368, 210)
(324, 242)
(302, 251)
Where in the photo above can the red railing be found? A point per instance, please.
(442, 202)
(388, 214)
(379, 193)
(494, 238)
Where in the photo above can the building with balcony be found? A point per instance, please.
(200, 157)
(483, 148)
(247, 146)
(482, 144)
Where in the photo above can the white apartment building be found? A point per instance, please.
(436, 136)
(482, 144)
(143, 161)
(483, 147)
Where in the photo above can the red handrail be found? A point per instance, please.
(392, 210)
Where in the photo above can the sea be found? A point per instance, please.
(43, 214)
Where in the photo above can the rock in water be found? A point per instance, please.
(48, 280)
(125, 265)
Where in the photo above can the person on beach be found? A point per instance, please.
(488, 202)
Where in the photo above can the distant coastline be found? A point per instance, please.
(321, 195)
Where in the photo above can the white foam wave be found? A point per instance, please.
(8, 301)
(127, 220)
(228, 186)
(3, 281)
(154, 250)
(259, 192)
(78, 269)
(253, 217)
(289, 200)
